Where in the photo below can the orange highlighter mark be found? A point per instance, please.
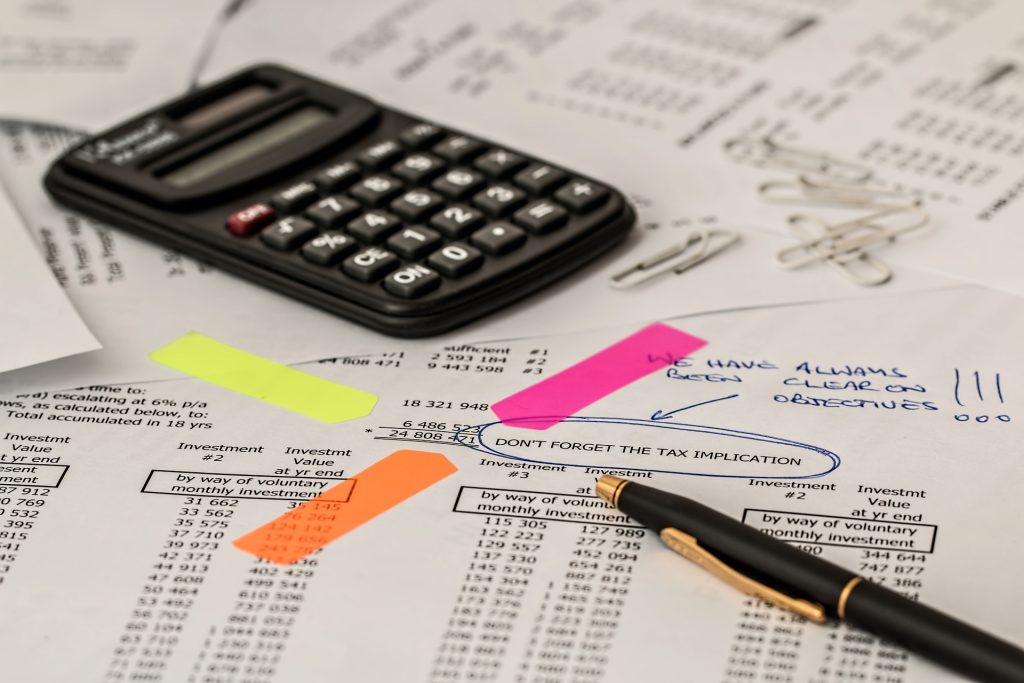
(324, 519)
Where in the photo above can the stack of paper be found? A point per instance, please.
(239, 487)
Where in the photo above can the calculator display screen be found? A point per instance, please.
(241, 150)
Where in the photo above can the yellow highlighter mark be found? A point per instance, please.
(212, 361)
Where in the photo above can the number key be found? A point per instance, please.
(457, 221)
(416, 205)
(499, 200)
(418, 168)
(376, 190)
(458, 183)
(456, 259)
(332, 212)
(414, 243)
(373, 226)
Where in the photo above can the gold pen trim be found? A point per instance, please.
(687, 546)
(845, 595)
(609, 488)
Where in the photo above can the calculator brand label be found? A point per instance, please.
(128, 146)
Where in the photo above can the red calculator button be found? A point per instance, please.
(250, 219)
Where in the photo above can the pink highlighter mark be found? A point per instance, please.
(547, 403)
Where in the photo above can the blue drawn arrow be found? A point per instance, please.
(658, 415)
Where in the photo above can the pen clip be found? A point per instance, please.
(687, 546)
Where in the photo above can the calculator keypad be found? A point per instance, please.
(329, 248)
(457, 220)
(373, 226)
(499, 200)
(456, 260)
(499, 238)
(376, 190)
(412, 281)
(333, 212)
(288, 233)
(459, 183)
(296, 197)
(337, 177)
(416, 205)
(499, 163)
(370, 264)
(250, 219)
(413, 212)
(414, 243)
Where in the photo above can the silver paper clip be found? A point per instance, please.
(810, 191)
(843, 245)
(698, 247)
(765, 152)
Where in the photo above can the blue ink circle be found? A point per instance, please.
(483, 447)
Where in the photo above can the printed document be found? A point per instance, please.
(888, 449)
(86, 64)
(39, 323)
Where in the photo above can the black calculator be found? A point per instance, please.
(408, 227)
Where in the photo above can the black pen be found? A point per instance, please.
(784, 575)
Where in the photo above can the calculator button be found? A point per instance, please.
(499, 163)
(370, 264)
(289, 233)
(458, 183)
(376, 189)
(381, 154)
(457, 221)
(373, 226)
(499, 200)
(421, 135)
(295, 198)
(337, 177)
(328, 248)
(414, 243)
(412, 281)
(455, 259)
(580, 195)
(539, 178)
(250, 219)
(458, 148)
(498, 238)
(418, 168)
(333, 212)
(416, 205)
(541, 216)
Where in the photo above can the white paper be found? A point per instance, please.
(895, 86)
(39, 323)
(87, 65)
(510, 569)
(137, 297)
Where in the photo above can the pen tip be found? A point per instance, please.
(608, 488)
